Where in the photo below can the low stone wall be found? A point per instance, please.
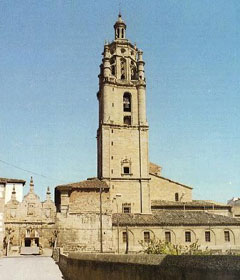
(149, 267)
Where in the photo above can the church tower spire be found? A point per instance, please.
(31, 185)
(122, 135)
(13, 196)
(48, 194)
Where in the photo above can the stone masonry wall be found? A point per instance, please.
(161, 189)
(79, 228)
(149, 267)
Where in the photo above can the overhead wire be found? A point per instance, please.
(29, 171)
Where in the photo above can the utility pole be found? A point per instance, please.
(101, 229)
(117, 195)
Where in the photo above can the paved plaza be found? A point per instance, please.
(29, 268)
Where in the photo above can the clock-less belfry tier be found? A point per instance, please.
(123, 129)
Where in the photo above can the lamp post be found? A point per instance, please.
(118, 195)
(101, 229)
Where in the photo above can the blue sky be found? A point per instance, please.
(50, 53)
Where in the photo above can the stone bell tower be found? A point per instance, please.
(122, 136)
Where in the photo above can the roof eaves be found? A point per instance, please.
(10, 180)
(171, 181)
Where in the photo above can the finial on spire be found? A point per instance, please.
(31, 185)
(48, 194)
(13, 196)
(119, 8)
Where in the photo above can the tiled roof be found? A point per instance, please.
(157, 204)
(91, 183)
(8, 180)
(174, 218)
(154, 168)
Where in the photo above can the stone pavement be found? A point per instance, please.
(29, 268)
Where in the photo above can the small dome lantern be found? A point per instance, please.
(120, 28)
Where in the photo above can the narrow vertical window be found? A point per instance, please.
(124, 237)
(168, 236)
(122, 32)
(176, 197)
(113, 70)
(187, 236)
(123, 69)
(113, 66)
(226, 236)
(127, 102)
(133, 71)
(207, 236)
(146, 236)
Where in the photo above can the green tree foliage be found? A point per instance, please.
(157, 246)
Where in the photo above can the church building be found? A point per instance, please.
(130, 201)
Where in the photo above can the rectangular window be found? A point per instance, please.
(124, 237)
(146, 236)
(112, 143)
(126, 207)
(168, 236)
(227, 236)
(112, 171)
(111, 157)
(127, 120)
(126, 170)
(207, 236)
(187, 236)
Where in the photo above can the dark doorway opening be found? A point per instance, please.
(27, 242)
(30, 241)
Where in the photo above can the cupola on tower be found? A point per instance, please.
(122, 136)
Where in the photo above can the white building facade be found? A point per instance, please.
(6, 188)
